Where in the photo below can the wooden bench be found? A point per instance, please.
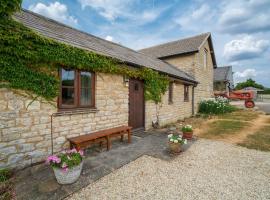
(84, 141)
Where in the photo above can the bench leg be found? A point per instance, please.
(129, 136)
(122, 138)
(108, 143)
(100, 144)
(77, 147)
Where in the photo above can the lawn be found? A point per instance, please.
(242, 115)
(223, 128)
(259, 140)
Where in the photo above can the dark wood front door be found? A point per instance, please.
(136, 104)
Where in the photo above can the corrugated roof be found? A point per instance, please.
(62, 33)
(221, 73)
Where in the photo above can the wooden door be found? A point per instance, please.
(136, 104)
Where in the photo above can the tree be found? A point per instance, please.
(248, 83)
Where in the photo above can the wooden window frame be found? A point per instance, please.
(186, 93)
(77, 88)
(170, 93)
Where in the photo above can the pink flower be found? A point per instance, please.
(65, 169)
(64, 165)
(53, 159)
(71, 151)
(81, 152)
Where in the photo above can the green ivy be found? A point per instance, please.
(7, 7)
(30, 62)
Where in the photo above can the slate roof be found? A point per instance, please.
(62, 33)
(222, 73)
(178, 47)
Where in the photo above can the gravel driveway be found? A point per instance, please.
(207, 170)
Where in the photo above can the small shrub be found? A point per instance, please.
(215, 106)
(6, 185)
(66, 160)
(5, 174)
(176, 139)
(187, 128)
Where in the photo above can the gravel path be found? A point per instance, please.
(207, 170)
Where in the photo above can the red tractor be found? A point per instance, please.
(240, 95)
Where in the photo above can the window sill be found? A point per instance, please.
(74, 111)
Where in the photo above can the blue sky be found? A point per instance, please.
(240, 28)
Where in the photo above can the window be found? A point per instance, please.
(186, 93)
(205, 58)
(170, 93)
(77, 89)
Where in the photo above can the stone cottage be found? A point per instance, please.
(195, 56)
(222, 77)
(90, 101)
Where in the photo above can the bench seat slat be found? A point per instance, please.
(98, 134)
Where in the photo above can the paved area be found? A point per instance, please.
(207, 170)
(38, 182)
(263, 106)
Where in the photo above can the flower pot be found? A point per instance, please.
(69, 176)
(188, 135)
(175, 147)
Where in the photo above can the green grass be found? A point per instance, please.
(259, 141)
(220, 129)
(242, 115)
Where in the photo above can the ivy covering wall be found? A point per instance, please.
(30, 61)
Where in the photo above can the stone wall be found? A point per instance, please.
(204, 75)
(25, 131)
(193, 64)
(169, 112)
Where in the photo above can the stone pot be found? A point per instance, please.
(69, 176)
(175, 147)
(188, 135)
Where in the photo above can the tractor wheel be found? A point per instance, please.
(249, 104)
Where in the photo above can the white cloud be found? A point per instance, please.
(247, 73)
(246, 48)
(107, 8)
(111, 10)
(55, 11)
(240, 76)
(109, 38)
(201, 14)
(241, 16)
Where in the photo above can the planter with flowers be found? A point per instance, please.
(67, 166)
(175, 143)
(187, 132)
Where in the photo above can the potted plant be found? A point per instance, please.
(187, 132)
(67, 166)
(175, 142)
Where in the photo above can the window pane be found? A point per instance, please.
(68, 77)
(86, 79)
(85, 97)
(67, 96)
